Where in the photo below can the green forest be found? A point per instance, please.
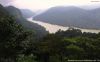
(19, 43)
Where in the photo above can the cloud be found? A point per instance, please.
(5, 2)
(44, 4)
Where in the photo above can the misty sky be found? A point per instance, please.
(43, 4)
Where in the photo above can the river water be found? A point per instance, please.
(54, 28)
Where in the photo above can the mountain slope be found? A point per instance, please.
(27, 13)
(3, 11)
(71, 16)
(26, 24)
(12, 37)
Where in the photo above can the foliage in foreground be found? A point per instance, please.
(13, 39)
(18, 44)
(23, 58)
(68, 45)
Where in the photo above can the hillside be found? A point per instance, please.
(18, 44)
(13, 37)
(71, 16)
(27, 13)
(26, 24)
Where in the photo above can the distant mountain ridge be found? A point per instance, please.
(71, 16)
(27, 13)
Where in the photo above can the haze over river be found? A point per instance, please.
(52, 28)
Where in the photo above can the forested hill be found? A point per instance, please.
(71, 16)
(17, 44)
(3, 11)
(13, 37)
(26, 24)
(68, 45)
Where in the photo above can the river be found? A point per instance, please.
(54, 28)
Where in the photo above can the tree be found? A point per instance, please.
(23, 58)
(13, 38)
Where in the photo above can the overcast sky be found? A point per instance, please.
(43, 4)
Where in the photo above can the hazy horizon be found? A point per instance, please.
(37, 5)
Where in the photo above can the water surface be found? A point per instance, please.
(54, 28)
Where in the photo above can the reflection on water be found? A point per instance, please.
(54, 28)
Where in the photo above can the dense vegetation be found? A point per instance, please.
(16, 13)
(13, 38)
(18, 44)
(68, 45)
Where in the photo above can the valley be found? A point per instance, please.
(52, 28)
